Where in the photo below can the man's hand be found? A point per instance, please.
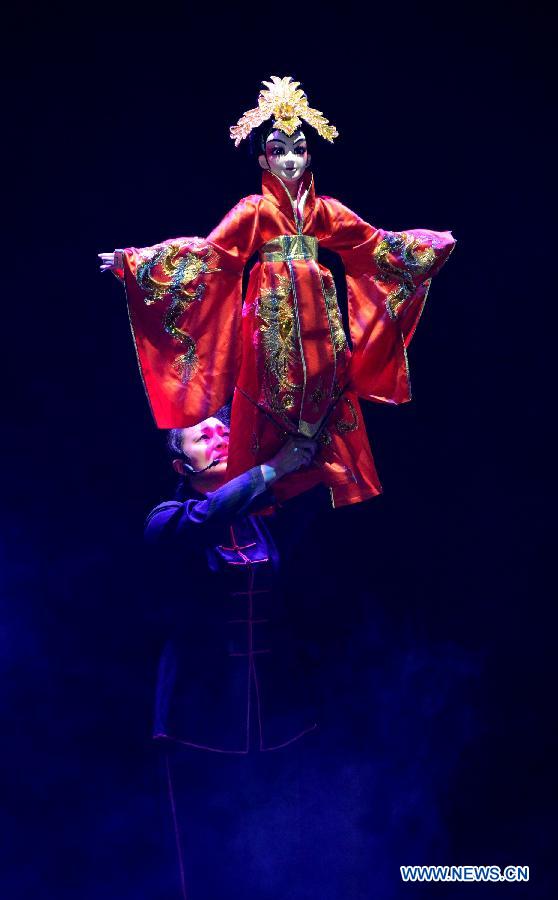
(111, 262)
(296, 453)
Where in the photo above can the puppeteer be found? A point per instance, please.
(282, 353)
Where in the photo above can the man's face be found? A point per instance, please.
(206, 442)
(287, 157)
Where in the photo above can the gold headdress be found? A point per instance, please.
(288, 106)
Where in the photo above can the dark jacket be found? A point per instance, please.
(235, 672)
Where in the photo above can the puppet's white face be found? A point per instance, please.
(287, 157)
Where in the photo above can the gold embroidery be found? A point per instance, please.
(407, 247)
(168, 272)
(288, 401)
(277, 328)
(281, 404)
(338, 335)
(342, 425)
(416, 261)
(317, 396)
(289, 246)
(175, 311)
(186, 364)
(396, 297)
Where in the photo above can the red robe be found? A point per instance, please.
(283, 353)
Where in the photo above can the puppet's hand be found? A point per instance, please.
(111, 262)
(297, 452)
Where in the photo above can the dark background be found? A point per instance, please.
(436, 616)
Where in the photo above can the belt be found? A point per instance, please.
(289, 246)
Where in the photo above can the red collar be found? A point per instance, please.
(275, 191)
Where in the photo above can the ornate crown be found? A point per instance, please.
(288, 106)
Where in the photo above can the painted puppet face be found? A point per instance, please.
(287, 157)
(205, 443)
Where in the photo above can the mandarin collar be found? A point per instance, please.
(274, 190)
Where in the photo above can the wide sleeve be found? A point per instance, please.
(388, 278)
(185, 305)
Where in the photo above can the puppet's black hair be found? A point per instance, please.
(258, 137)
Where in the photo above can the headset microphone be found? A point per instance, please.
(199, 471)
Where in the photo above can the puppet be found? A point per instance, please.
(283, 354)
